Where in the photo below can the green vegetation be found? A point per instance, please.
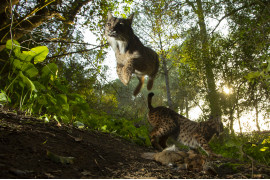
(249, 147)
(38, 90)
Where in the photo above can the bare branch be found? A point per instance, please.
(82, 51)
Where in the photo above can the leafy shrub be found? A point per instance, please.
(120, 126)
(38, 89)
(244, 147)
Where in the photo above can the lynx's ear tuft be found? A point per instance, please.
(109, 15)
(130, 18)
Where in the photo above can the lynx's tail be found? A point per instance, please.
(150, 95)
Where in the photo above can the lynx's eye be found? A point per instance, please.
(108, 24)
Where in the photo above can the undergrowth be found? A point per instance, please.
(246, 147)
(36, 88)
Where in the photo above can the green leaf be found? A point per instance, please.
(3, 97)
(42, 100)
(61, 98)
(79, 124)
(62, 101)
(17, 64)
(61, 87)
(15, 46)
(264, 148)
(30, 70)
(65, 107)
(48, 70)
(266, 140)
(39, 86)
(24, 57)
(104, 128)
(38, 53)
(60, 159)
(51, 99)
(27, 81)
(253, 75)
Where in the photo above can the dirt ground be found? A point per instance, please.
(30, 148)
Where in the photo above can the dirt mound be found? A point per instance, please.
(30, 148)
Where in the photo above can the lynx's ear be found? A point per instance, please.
(130, 18)
(109, 15)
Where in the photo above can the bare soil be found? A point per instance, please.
(30, 148)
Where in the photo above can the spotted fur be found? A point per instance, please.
(167, 122)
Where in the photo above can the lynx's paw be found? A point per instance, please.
(123, 74)
(125, 80)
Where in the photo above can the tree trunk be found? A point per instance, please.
(166, 75)
(187, 108)
(238, 118)
(257, 113)
(212, 95)
(231, 121)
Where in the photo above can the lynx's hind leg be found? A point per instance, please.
(154, 135)
(163, 141)
(151, 79)
(150, 83)
(159, 136)
(139, 86)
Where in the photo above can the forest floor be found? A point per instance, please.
(30, 148)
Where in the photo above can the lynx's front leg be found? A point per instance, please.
(124, 72)
(203, 144)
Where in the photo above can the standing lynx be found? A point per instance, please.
(167, 122)
(131, 55)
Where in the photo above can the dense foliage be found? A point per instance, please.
(51, 68)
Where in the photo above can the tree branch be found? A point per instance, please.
(26, 24)
(67, 42)
(231, 13)
(192, 5)
(82, 51)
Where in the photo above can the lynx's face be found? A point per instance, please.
(118, 28)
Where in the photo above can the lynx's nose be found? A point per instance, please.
(113, 33)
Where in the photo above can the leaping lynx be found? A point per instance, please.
(131, 55)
